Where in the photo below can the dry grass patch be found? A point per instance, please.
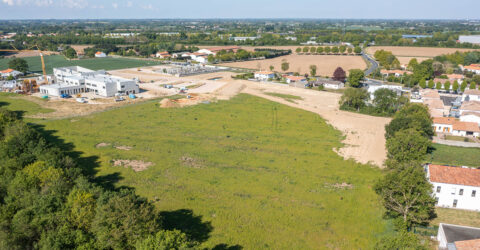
(102, 145)
(127, 148)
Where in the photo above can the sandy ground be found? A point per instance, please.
(415, 51)
(326, 64)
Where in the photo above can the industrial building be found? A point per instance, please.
(75, 80)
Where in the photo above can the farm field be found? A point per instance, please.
(94, 63)
(255, 173)
(326, 64)
(457, 156)
(415, 51)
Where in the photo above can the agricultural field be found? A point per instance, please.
(404, 54)
(326, 64)
(55, 61)
(456, 156)
(245, 172)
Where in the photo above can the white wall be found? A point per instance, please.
(472, 97)
(470, 118)
(264, 76)
(450, 192)
(443, 128)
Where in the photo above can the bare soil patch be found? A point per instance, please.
(326, 64)
(136, 165)
(191, 162)
(126, 148)
(415, 51)
(102, 145)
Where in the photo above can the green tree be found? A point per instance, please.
(473, 85)
(298, 50)
(407, 145)
(438, 86)
(18, 64)
(412, 64)
(355, 76)
(306, 49)
(354, 99)
(313, 50)
(342, 49)
(357, 50)
(446, 86)
(313, 70)
(455, 85)
(335, 50)
(431, 84)
(70, 53)
(463, 86)
(166, 240)
(423, 83)
(349, 50)
(211, 58)
(327, 49)
(320, 50)
(412, 115)
(271, 68)
(285, 66)
(406, 195)
(385, 101)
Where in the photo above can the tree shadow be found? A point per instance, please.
(190, 224)
(227, 247)
(87, 164)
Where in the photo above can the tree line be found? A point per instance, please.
(48, 202)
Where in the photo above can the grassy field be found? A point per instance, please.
(458, 156)
(254, 173)
(458, 138)
(289, 98)
(93, 63)
(457, 217)
(14, 102)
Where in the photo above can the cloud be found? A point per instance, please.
(8, 2)
(115, 5)
(74, 4)
(45, 3)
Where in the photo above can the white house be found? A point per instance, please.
(470, 117)
(76, 80)
(470, 107)
(215, 50)
(163, 54)
(471, 95)
(443, 124)
(455, 187)
(374, 87)
(475, 68)
(10, 72)
(328, 83)
(100, 54)
(449, 125)
(296, 79)
(264, 75)
(457, 237)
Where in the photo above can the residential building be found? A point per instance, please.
(372, 87)
(243, 38)
(456, 77)
(470, 107)
(264, 75)
(295, 79)
(163, 54)
(328, 83)
(292, 38)
(455, 187)
(455, 237)
(100, 54)
(10, 86)
(215, 50)
(450, 125)
(75, 80)
(443, 124)
(471, 95)
(475, 68)
(10, 72)
(436, 107)
(470, 117)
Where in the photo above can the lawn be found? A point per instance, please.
(255, 173)
(14, 102)
(288, 98)
(457, 156)
(457, 217)
(55, 61)
(458, 138)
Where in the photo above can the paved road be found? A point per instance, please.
(373, 64)
(456, 143)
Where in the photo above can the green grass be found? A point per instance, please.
(14, 102)
(289, 98)
(458, 138)
(261, 173)
(457, 156)
(55, 61)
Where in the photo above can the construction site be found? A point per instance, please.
(188, 69)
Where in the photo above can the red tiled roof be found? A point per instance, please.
(466, 126)
(471, 105)
(444, 120)
(472, 92)
(468, 244)
(454, 175)
(7, 71)
(264, 72)
(473, 67)
(455, 76)
(99, 52)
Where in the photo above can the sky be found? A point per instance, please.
(158, 9)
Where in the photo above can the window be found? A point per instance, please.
(436, 200)
(460, 192)
(474, 192)
(438, 189)
(455, 203)
(454, 190)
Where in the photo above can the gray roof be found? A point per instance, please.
(455, 233)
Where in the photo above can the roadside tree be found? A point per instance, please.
(327, 49)
(357, 50)
(355, 76)
(422, 84)
(431, 84)
(320, 50)
(298, 50)
(455, 85)
(306, 49)
(313, 70)
(463, 86)
(446, 86)
(313, 50)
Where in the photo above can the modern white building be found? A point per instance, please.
(471, 95)
(455, 187)
(10, 72)
(264, 75)
(76, 80)
(455, 237)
